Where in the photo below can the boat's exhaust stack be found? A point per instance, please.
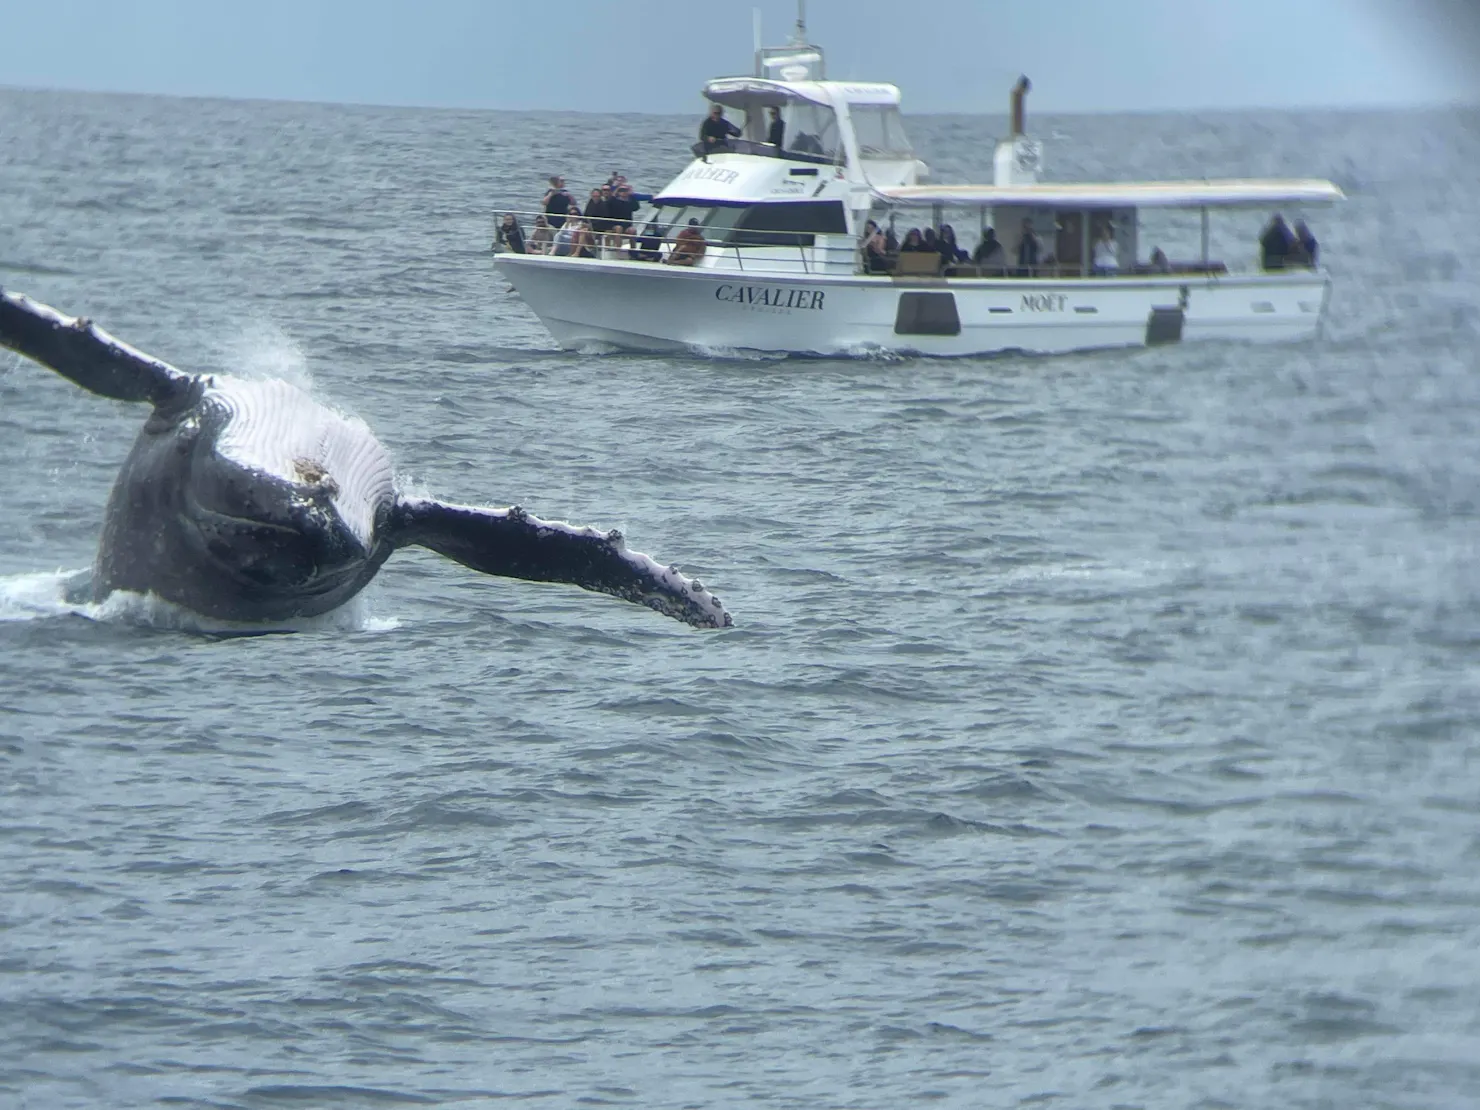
(1018, 157)
(1019, 106)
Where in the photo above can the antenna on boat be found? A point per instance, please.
(755, 28)
(798, 60)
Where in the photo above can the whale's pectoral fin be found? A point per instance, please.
(86, 354)
(513, 544)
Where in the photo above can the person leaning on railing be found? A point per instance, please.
(716, 132)
(688, 245)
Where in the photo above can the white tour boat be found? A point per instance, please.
(783, 265)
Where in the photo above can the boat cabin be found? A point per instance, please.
(1070, 224)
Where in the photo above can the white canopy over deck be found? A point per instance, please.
(746, 93)
(1131, 194)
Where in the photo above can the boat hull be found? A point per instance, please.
(655, 307)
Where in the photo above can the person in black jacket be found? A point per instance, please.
(945, 243)
(989, 251)
(557, 203)
(510, 235)
(1275, 244)
(776, 136)
(621, 207)
(716, 131)
(913, 241)
(1309, 248)
(1027, 251)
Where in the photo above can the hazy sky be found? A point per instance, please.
(654, 55)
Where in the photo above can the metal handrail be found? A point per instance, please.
(824, 256)
(611, 244)
(765, 150)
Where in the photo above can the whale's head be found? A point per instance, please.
(268, 534)
(283, 495)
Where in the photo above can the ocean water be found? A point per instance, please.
(1099, 731)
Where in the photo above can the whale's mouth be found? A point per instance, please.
(311, 556)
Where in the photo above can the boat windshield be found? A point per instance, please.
(880, 131)
(812, 129)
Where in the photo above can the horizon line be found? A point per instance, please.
(1406, 106)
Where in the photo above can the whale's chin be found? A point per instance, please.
(271, 557)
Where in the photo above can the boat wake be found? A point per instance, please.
(733, 354)
(49, 595)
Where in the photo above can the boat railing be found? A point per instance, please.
(603, 238)
(764, 150)
(771, 252)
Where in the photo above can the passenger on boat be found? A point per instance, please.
(621, 207)
(1027, 250)
(1107, 259)
(584, 241)
(950, 251)
(1275, 244)
(510, 236)
(777, 134)
(1309, 248)
(688, 246)
(626, 244)
(891, 244)
(564, 244)
(928, 237)
(595, 208)
(1160, 263)
(716, 131)
(542, 238)
(875, 251)
(649, 245)
(989, 251)
(913, 241)
(557, 203)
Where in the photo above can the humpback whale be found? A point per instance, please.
(247, 500)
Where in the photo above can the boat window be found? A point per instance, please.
(880, 131)
(785, 224)
(812, 129)
(792, 224)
